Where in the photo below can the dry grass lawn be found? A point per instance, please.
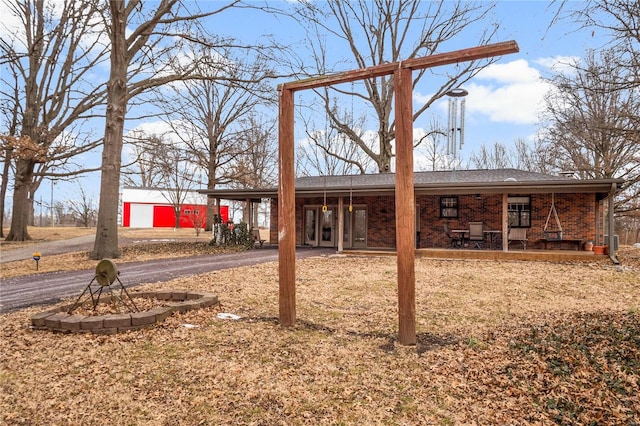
(498, 343)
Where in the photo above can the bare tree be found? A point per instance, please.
(376, 32)
(143, 169)
(537, 156)
(198, 219)
(49, 58)
(209, 115)
(329, 152)
(83, 208)
(620, 20)
(256, 166)
(10, 114)
(593, 125)
(494, 157)
(145, 39)
(431, 147)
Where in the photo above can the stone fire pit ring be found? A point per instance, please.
(59, 321)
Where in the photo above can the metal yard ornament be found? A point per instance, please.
(455, 130)
(106, 275)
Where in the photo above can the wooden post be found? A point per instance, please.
(405, 207)
(505, 222)
(246, 212)
(611, 224)
(340, 224)
(286, 211)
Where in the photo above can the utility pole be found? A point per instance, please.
(51, 205)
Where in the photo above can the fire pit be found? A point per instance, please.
(169, 301)
(120, 312)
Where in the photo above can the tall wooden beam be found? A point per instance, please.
(286, 211)
(405, 207)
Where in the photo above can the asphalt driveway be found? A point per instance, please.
(39, 289)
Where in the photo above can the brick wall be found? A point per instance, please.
(577, 213)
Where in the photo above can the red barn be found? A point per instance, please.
(150, 208)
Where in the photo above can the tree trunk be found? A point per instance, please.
(106, 243)
(31, 208)
(20, 211)
(4, 182)
(384, 159)
(212, 204)
(210, 212)
(176, 212)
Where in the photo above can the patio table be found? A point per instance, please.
(462, 233)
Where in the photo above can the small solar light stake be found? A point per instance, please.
(36, 257)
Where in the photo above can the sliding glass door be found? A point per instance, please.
(320, 227)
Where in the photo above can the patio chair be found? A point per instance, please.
(518, 234)
(476, 234)
(456, 240)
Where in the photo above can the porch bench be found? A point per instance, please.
(569, 241)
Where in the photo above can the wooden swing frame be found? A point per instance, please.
(404, 187)
(555, 234)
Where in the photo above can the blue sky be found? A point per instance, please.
(503, 100)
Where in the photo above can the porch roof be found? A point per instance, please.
(497, 181)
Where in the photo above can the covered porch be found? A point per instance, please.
(551, 213)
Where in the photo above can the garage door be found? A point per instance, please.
(141, 216)
(163, 217)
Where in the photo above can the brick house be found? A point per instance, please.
(501, 199)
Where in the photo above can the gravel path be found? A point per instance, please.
(83, 243)
(25, 291)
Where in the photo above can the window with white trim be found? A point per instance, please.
(519, 212)
(449, 207)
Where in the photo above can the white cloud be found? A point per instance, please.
(517, 71)
(517, 103)
(10, 23)
(511, 92)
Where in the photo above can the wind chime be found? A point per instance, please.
(455, 133)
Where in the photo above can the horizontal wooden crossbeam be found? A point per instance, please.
(470, 54)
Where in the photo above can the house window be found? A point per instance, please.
(448, 206)
(187, 211)
(196, 212)
(519, 212)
